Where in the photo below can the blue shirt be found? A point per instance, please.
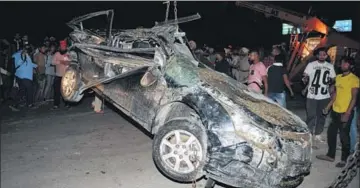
(25, 70)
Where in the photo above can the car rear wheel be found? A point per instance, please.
(70, 84)
(179, 150)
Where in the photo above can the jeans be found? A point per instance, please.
(41, 81)
(57, 92)
(49, 87)
(353, 131)
(25, 85)
(20, 95)
(344, 129)
(279, 98)
(315, 117)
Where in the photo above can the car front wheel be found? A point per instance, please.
(70, 84)
(179, 150)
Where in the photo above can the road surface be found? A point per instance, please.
(79, 149)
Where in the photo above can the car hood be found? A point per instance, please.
(256, 103)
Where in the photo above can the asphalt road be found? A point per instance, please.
(77, 148)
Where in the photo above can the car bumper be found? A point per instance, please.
(224, 166)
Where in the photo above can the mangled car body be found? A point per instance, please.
(204, 122)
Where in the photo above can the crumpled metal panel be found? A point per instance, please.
(256, 103)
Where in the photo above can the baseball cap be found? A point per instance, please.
(244, 50)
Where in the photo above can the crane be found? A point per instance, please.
(305, 23)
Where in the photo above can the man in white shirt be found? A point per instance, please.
(319, 75)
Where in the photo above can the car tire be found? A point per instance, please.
(173, 162)
(70, 84)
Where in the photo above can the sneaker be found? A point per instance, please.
(340, 164)
(319, 138)
(54, 107)
(32, 106)
(67, 106)
(13, 108)
(325, 158)
(338, 146)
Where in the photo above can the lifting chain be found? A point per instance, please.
(167, 10)
(175, 10)
(348, 173)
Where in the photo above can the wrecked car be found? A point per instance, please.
(205, 124)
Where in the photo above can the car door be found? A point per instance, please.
(145, 99)
(141, 103)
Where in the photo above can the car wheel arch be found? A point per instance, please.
(166, 114)
(170, 112)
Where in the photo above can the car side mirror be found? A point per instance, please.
(150, 77)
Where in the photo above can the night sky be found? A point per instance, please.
(222, 22)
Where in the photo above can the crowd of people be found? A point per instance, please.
(262, 73)
(329, 94)
(32, 75)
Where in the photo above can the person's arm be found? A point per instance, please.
(332, 75)
(232, 63)
(32, 63)
(264, 78)
(332, 90)
(307, 72)
(54, 60)
(354, 92)
(65, 61)
(36, 60)
(287, 83)
(263, 73)
(5, 72)
(236, 62)
(35, 66)
(330, 104)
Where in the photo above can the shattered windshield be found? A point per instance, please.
(182, 71)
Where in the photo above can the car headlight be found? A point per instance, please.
(247, 125)
(247, 128)
(264, 144)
